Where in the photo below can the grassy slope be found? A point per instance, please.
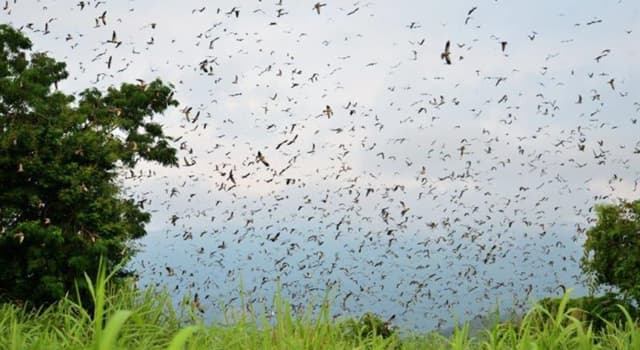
(147, 320)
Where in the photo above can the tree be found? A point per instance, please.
(60, 206)
(612, 248)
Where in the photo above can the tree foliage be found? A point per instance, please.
(60, 206)
(612, 248)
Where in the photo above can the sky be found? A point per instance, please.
(428, 190)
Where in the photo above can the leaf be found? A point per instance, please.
(110, 333)
(180, 339)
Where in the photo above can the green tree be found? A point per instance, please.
(612, 248)
(60, 205)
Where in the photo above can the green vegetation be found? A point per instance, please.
(60, 206)
(596, 311)
(124, 318)
(612, 249)
(611, 259)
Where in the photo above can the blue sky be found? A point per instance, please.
(483, 152)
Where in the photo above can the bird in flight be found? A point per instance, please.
(446, 55)
(260, 157)
(114, 39)
(328, 111)
(317, 6)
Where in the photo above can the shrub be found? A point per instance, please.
(595, 311)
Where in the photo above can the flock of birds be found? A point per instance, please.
(428, 177)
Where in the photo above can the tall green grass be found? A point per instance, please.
(124, 318)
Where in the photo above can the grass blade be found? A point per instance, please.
(180, 339)
(110, 333)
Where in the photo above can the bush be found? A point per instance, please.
(595, 311)
(367, 326)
